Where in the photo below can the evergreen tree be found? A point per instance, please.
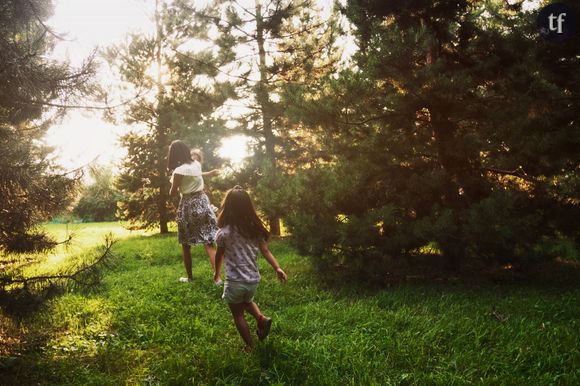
(186, 93)
(32, 189)
(455, 128)
(267, 47)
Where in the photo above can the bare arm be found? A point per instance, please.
(175, 184)
(219, 258)
(273, 262)
(211, 173)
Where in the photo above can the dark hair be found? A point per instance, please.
(178, 155)
(238, 211)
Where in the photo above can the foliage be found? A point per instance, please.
(31, 186)
(98, 201)
(20, 295)
(144, 327)
(28, 280)
(455, 127)
(187, 92)
(265, 47)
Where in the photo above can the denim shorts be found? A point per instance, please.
(236, 292)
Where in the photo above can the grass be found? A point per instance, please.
(85, 237)
(142, 327)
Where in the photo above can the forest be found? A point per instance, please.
(412, 160)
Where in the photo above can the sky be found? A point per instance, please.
(84, 136)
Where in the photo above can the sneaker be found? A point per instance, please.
(185, 280)
(218, 283)
(264, 327)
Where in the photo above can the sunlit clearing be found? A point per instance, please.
(55, 259)
(48, 264)
(234, 149)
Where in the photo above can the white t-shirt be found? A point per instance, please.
(240, 258)
(192, 180)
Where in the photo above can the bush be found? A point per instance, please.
(366, 229)
(98, 200)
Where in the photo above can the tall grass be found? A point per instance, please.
(142, 326)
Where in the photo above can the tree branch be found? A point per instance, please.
(245, 10)
(87, 107)
(519, 172)
(46, 28)
(213, 66)
(75, 276)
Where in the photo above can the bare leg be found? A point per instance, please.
(210, 250)
(241, 323)
(186, 249)
(263, 323)
(252, 309)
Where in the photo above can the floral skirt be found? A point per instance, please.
(196, 221)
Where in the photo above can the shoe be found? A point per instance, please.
(185, 280)
(218, 283)
(264, 327)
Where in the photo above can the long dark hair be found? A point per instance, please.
(178, 155)
(238, 211)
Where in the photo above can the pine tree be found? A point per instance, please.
(268, 47)
(186, 94)
(454, 128)
(34, 90)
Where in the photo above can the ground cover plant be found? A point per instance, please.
(141, 326)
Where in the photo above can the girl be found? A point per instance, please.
(196, 222)
(197, 155)
(240, 237)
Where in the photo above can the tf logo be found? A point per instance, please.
(556, 22)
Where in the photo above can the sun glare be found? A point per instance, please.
(234, 149)
(82, 138)
(153, 72)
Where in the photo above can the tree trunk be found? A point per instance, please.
(263, 98)
(160, 131)
(163, 229)
(163, 187)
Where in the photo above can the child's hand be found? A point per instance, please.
(281, 275)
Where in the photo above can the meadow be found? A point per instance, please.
(140, 326)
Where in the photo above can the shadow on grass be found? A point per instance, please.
(427, 270)
(328, 326)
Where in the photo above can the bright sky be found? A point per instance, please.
(83, 136)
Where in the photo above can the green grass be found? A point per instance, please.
(85, 238)
(142, 327)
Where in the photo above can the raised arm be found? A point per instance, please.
(211, 173)
(273, 262)
(175, 182)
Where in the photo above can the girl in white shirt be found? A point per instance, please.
(196, 221)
